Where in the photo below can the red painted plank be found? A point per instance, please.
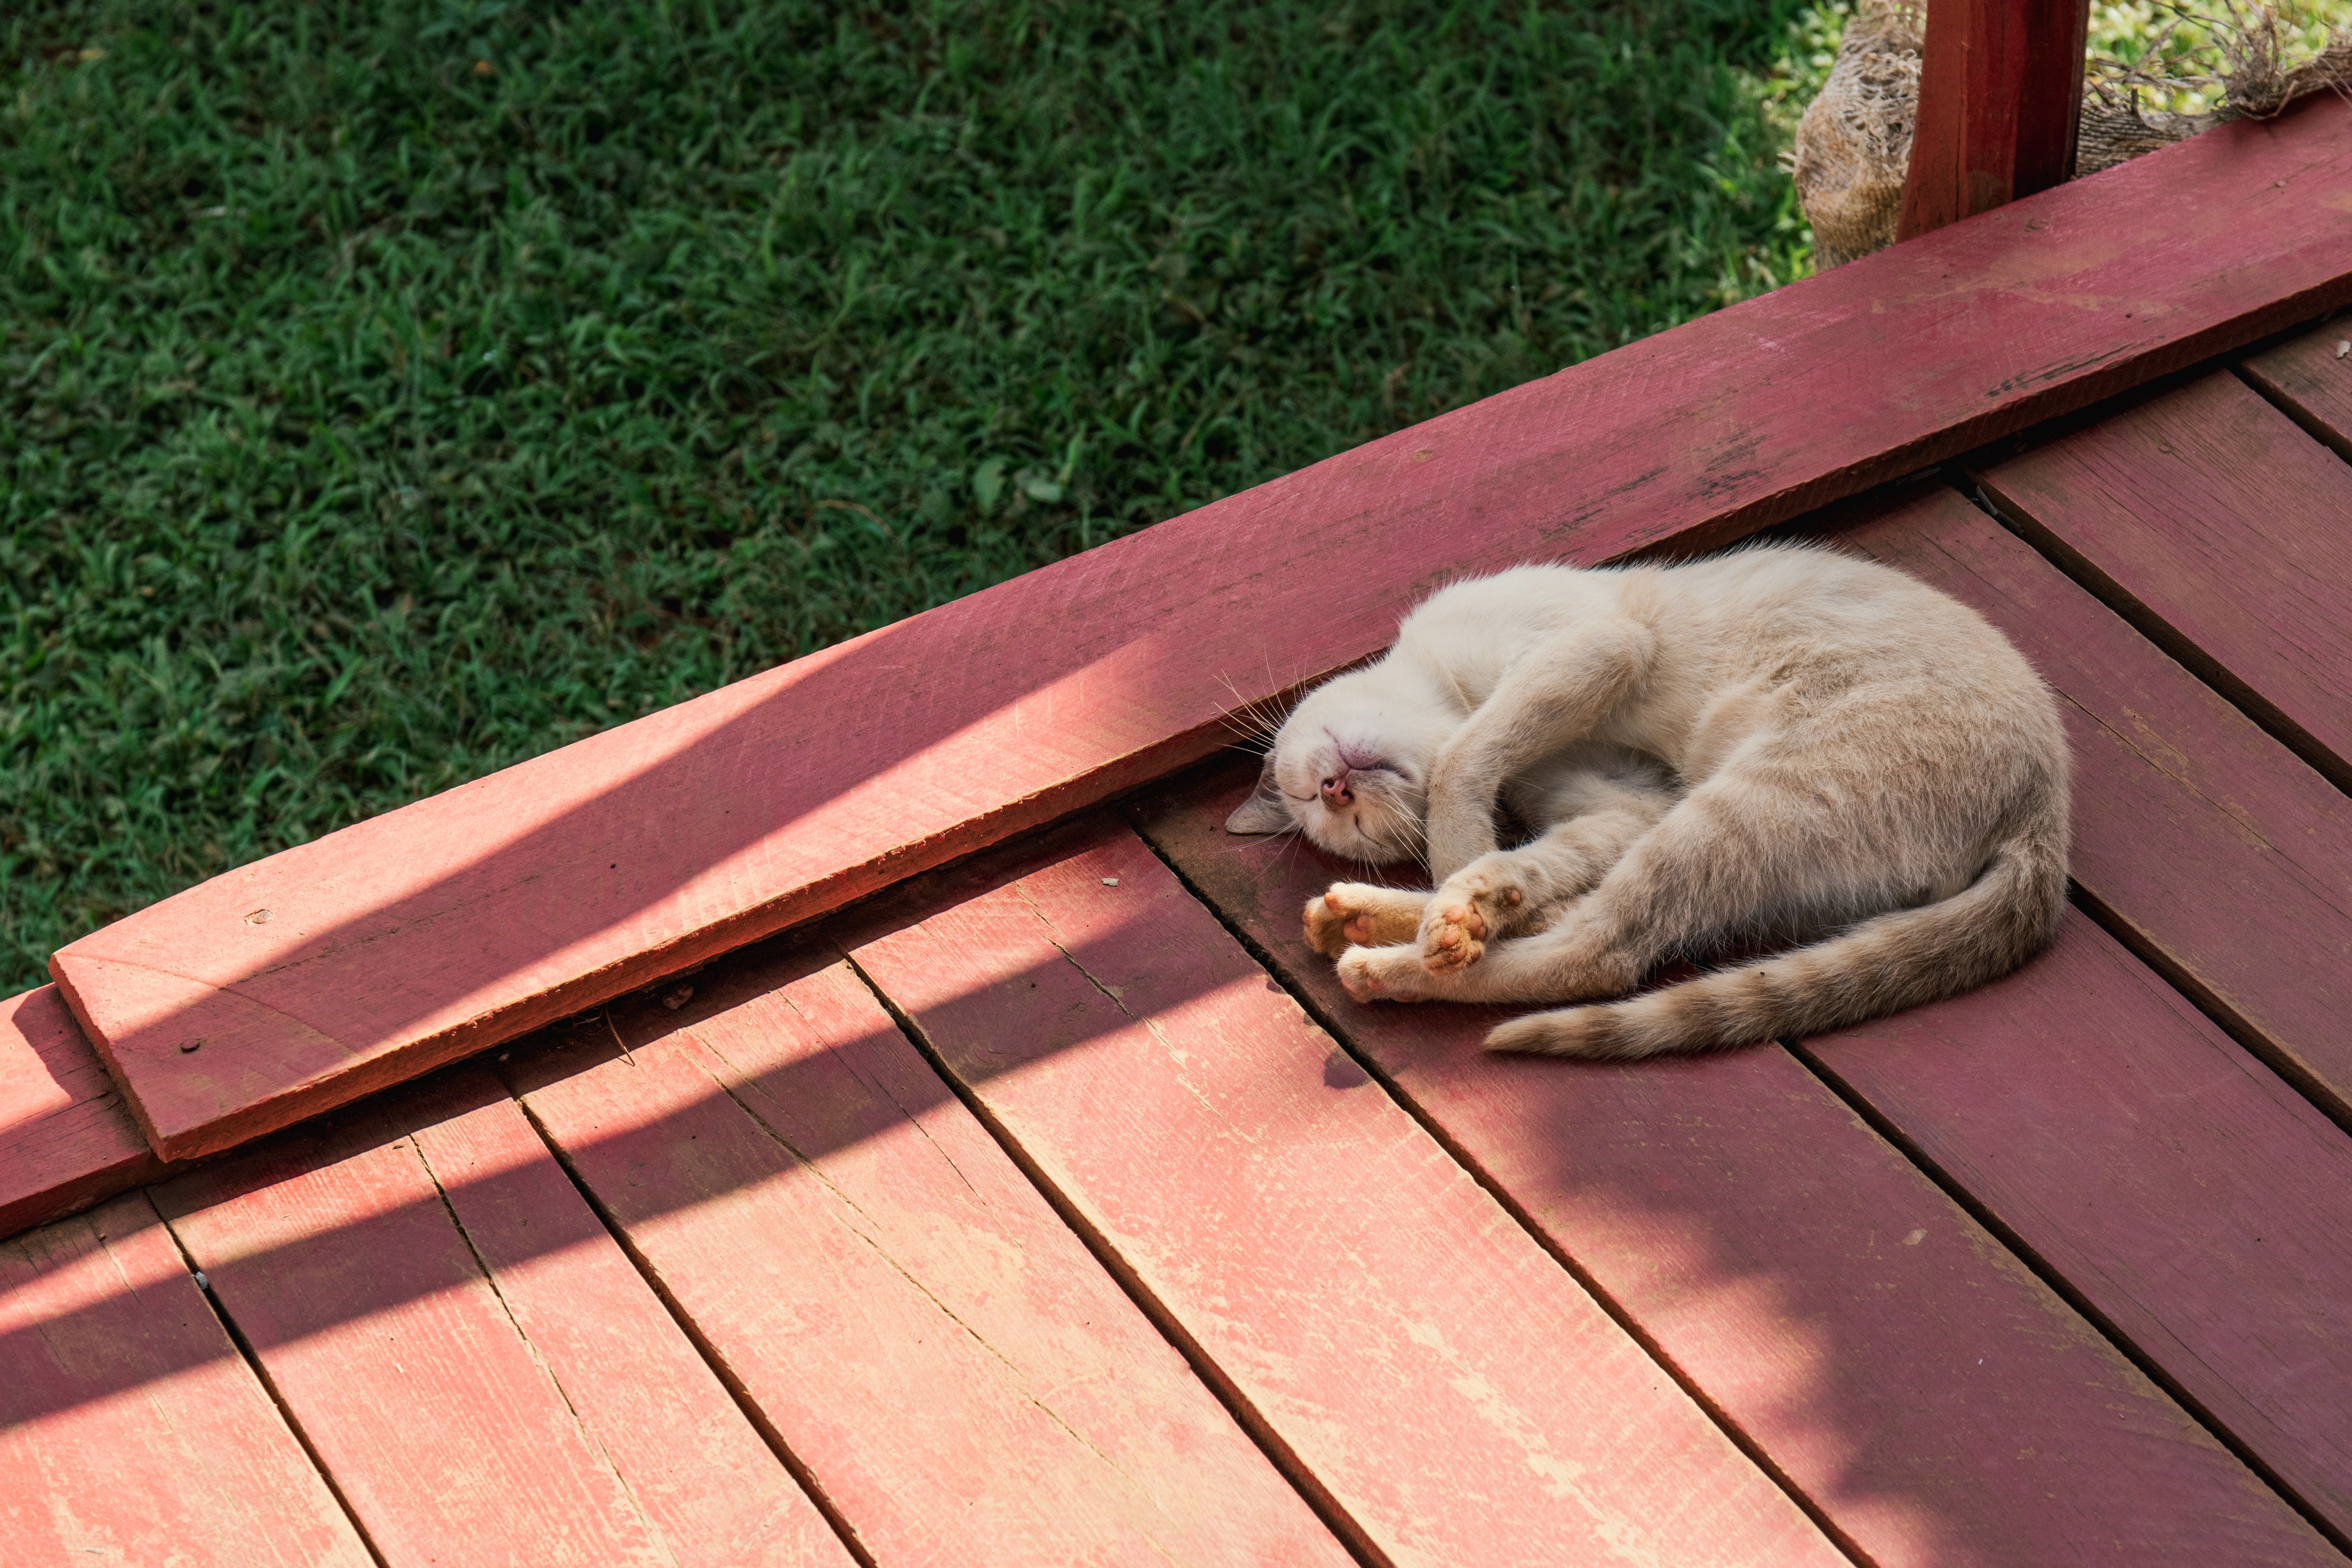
(131, 1431)
(961, 1379)
(2195, 1202)
(2310, 378)
(2217, 526)
(65, 1139)
(2000, 94)
(1460, 1396)
(1936, 1402)
(434, 930)
(703, 1476)
(2224, 859)
(448, 1431)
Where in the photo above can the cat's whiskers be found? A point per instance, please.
(1398, 826)
(1256, 720)
(1292, 839)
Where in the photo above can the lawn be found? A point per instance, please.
(390, 392)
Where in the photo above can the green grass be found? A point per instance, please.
(392, 391)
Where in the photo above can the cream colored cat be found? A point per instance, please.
(1781, 744)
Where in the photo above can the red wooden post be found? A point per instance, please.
(2000, 94)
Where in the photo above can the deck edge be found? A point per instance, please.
(2230, 281)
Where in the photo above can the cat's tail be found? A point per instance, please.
(1883, 965)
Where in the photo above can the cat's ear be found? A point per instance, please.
(1264, 811)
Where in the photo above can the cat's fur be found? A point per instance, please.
(1780, 744)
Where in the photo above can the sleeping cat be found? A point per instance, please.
(1783, 744)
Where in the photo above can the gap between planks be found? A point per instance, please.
(270, 1388)
(759, 1419)
(1277, 1449)
(2052, 1276)
(1608, 1301)
(2209, 520)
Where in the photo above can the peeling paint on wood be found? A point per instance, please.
(130, 1430)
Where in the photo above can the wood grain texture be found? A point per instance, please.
(1935, 1403)
(66, 1138)
(130, 1430)
(421, 935)
(703, 1476)
(2310, 380)
(2001, 95)
(960, 1378)
(2213, 524)
(2193, 1200)
(446, 1431)
(1461, 1397)
(2220, 857)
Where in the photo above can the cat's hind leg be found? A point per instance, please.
(1508, 892)
(1709, 866)
(1514, 968)
(1357, 914)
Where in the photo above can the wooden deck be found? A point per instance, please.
(1037, 1196)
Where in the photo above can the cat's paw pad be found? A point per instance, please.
(1473, 909)
(1454, 937)
(1356, 914)
(1383, 973)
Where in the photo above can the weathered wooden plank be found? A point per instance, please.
(703, 1478)
(2222, 859)
(1460, 1396)
(2001, 95)
(431, 931)
(2193, 1200)
(1935, 1403)
(2216, 527)
(65, 1139)
(130, 1430)
(447, 1435)
(959, 1376)
(2310, 379)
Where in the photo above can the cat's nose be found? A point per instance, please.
(1337, 793)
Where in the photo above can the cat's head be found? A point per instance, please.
(1349, 768)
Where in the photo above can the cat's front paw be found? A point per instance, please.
(1356, 914)
(1476, 906)
(1392, 974)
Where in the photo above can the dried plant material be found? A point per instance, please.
(2252, 74)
